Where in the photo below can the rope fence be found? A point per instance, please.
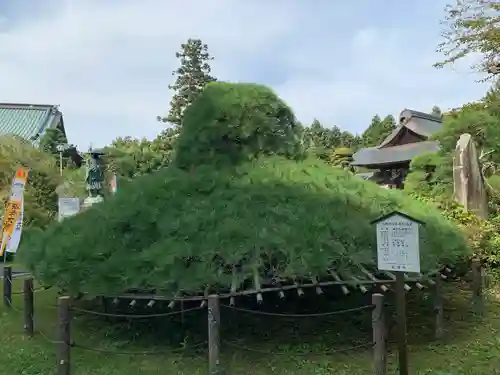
(65, 343)
(287, 315)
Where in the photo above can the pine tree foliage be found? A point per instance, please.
(244, 198)
(184, 229)
(230, 123)
(192, 76)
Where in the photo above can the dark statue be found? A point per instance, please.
(95, 176)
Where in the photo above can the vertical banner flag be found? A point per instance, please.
(12, 224)
(113, 185)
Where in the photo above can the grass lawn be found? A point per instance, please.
(471, 347)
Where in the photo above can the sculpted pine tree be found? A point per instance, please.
(192, 76)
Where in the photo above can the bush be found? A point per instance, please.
(177, 229)
(342, 157)
(431, 174)
(230, 123)
(483, 236)
(40, 199)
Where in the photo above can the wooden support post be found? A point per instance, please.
(7, 286)
(477, 288)
(64, 337)
(401, 320)
(213, 334)
(379, 336)
(28, 306)
(438, 308)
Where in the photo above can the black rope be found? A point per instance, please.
(135, 316)
(337, 312)
(327, 352)
(47, 339)
(152, 352)
(10, 304)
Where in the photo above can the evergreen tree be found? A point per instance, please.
(53, 138)
(378, 130)
(436, 111)
(192, 76)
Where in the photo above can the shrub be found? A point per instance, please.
(177, 229)
(431, 174)
(483, 236)
(40, 205)
(342, 157)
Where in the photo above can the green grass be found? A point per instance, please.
(471, 346)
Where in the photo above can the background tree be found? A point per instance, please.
(436, 111)
(321, 141)
(192, 76)
(471, 26)
(40, 195)
(130, 157)
(378, 130)
(49, 142)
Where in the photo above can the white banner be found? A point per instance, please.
(12, 225)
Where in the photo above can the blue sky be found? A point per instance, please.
(108, 63)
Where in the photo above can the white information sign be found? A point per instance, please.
(68, 207)
(398, 244)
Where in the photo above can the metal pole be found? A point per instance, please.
(61, 163)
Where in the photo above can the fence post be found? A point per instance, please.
(477, 287)
(438, 308)
(28, 306)
(7, 286)
(379, 339)
(213, 334)
(64, 337)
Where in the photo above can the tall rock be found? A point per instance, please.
(468, 182)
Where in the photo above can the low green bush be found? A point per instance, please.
(185, 229)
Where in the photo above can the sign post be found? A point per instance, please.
(68, 206)
(398, 251)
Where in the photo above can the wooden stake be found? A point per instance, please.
(477, 287)
(379, 339)
(401, 320)
(7, 286)
(28, 306)
(63, 349)
(438, 308)
(213, 334)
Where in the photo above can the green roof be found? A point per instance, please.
(28, 121)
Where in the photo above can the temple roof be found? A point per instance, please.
(421, 125)
(395, 154)
(28, 121)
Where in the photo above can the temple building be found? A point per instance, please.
(390, 161)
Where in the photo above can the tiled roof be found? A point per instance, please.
(420, 123)
(28, 121)
(395, 154)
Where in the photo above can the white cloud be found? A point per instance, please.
(108, 63)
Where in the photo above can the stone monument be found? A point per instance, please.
(468, 182)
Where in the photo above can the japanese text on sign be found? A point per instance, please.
(398, 244)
